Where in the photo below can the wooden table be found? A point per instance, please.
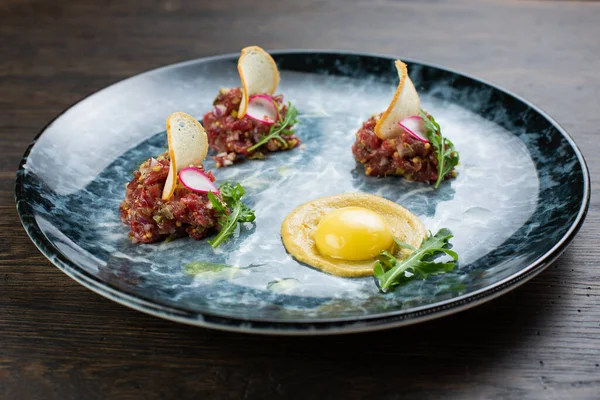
(58, 340)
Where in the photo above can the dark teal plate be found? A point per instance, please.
(520, 197)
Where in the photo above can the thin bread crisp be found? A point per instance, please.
(405, 104)
(259, 75)
(188, 145)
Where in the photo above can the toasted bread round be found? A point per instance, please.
(405, 104)
(258, 73)
(297, 231)
(188, 145)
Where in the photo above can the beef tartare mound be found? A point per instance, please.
(404, 140)
(232, 137)
(151, 218)
(403, 155)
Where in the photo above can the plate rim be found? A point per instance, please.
(299, 326)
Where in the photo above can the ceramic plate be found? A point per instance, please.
(521, 195)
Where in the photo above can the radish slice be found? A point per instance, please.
(414, 126)
(194, 179)
(262, 108)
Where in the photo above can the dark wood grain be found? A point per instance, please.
(58, 340)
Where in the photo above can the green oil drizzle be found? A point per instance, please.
(200, 267)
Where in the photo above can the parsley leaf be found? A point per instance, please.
(447, 156)
(392, 272)
(240, 212)
(281, 127)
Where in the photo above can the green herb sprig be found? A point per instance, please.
(447, 156)
(392, 272)
(239, 212)
(281, 128)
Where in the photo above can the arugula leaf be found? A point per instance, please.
(281, 127)
(240, 212)
(392, 272)
(447, 156)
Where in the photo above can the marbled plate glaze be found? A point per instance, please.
(520, 197)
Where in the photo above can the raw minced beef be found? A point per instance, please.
(151, 219)
(231, 136)
(403, 156)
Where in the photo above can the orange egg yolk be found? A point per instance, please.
(353, 233)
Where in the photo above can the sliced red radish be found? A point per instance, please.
(194, 179)
(262, 108)
(415, 127)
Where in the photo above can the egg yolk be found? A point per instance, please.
(353, 233)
